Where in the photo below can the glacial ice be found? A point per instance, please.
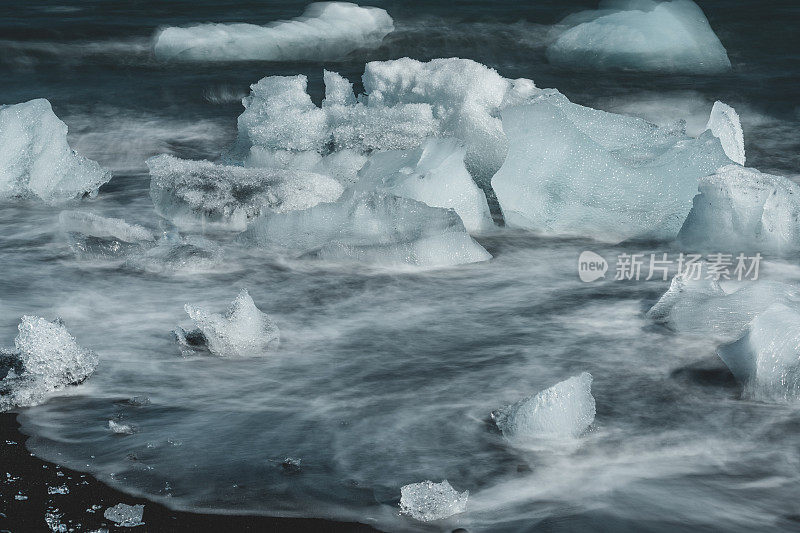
(242, 331)
(671, 36)
(188, 192)
(740, 209)
(46, 358)
(119, 429)
(174, 253)
(766, 360)
(91, 236)
(427, 501)
(325, 31)
(35, 159)
(376, 228)
(433, 174)
(573, 170)
(124, 515)
(725, 125)
(564, 410)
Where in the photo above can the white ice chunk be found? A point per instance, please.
(35, 159)
(119, 429)
(427, 501)
(376, 228)
(672, 36)
(565, 410)
(189, 191)
(125, 515)
(724, 123)
(242, 331)
(741, 209)
(325, 31)
(433, 174)
(91, 236)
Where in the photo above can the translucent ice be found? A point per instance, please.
(187, 192)
(241, 332)
(326, 31)
(573, 170)
(741, 209)
(672, 36)
(428, 501)
(119, 429)
(46, 359)
(724, 123)
(376, 228)
(174, 253)
(35, 159)
(92, 236)
(565, 410)
(433, 174)
(125, 515)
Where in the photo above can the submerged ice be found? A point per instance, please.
(427, 501)
(91, 236)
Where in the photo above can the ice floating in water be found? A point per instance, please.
(641, 35)
(573, 170)
(565, 410)
(91, 236)
(119, 429)
(433, 174)
(767, 358)
(242, 331)
(125, 515)
(35, 159)
(428, 501)
(46, 359)
(376, 228)
(724, 123)
(175, 254)
(743, 210)
(326, 31)
(187, 192)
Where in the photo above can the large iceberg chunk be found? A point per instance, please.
(573, 170)
(433, 174)
(91, 236)
(242, 331)
(565, 410)
(672, 36)
(377, 228)
(46, 358)
(187, 192)
(741, 209)
(326, 31)
(35, 159)
(428, 501)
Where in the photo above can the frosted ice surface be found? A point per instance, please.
(565, 410)
(119, 429)
(433, 174)
(35, 159)
(724, 123)
(740, 209)
(672, 36)
(92, 236)
(325, 31)
(241, 332)
(428, 501)
(188, 192)
(125, 515)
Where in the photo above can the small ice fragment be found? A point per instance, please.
(428, 501)
(291, 465)
(20, 497)
(139, 401)
(125, 515)
(120, 429)
(63, 489)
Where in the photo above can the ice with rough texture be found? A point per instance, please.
(35, 159)
(325, 31)
(119, 429)
(243, 331)
(565, 410)
(740, 209)
(124, 515)
(187, 192)
(573, 170)
(427, 501)
(91, 236)
(46, 359)
(433, 174)
(724, 123)
(766, 360)
(376, 228)
(645, 35)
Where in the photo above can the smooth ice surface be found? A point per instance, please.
(724, 123)
(242, 331)
(428, 501)
(672, 36)
(433, 174)
(46, 358)
(325, 31)
(373, 228)
(188, 192)
(125, 515)
(573, 170)
(564, 410)
(767, 358)
(91, 236)
(35, 159)
(740, 209)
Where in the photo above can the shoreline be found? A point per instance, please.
(81, 509)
